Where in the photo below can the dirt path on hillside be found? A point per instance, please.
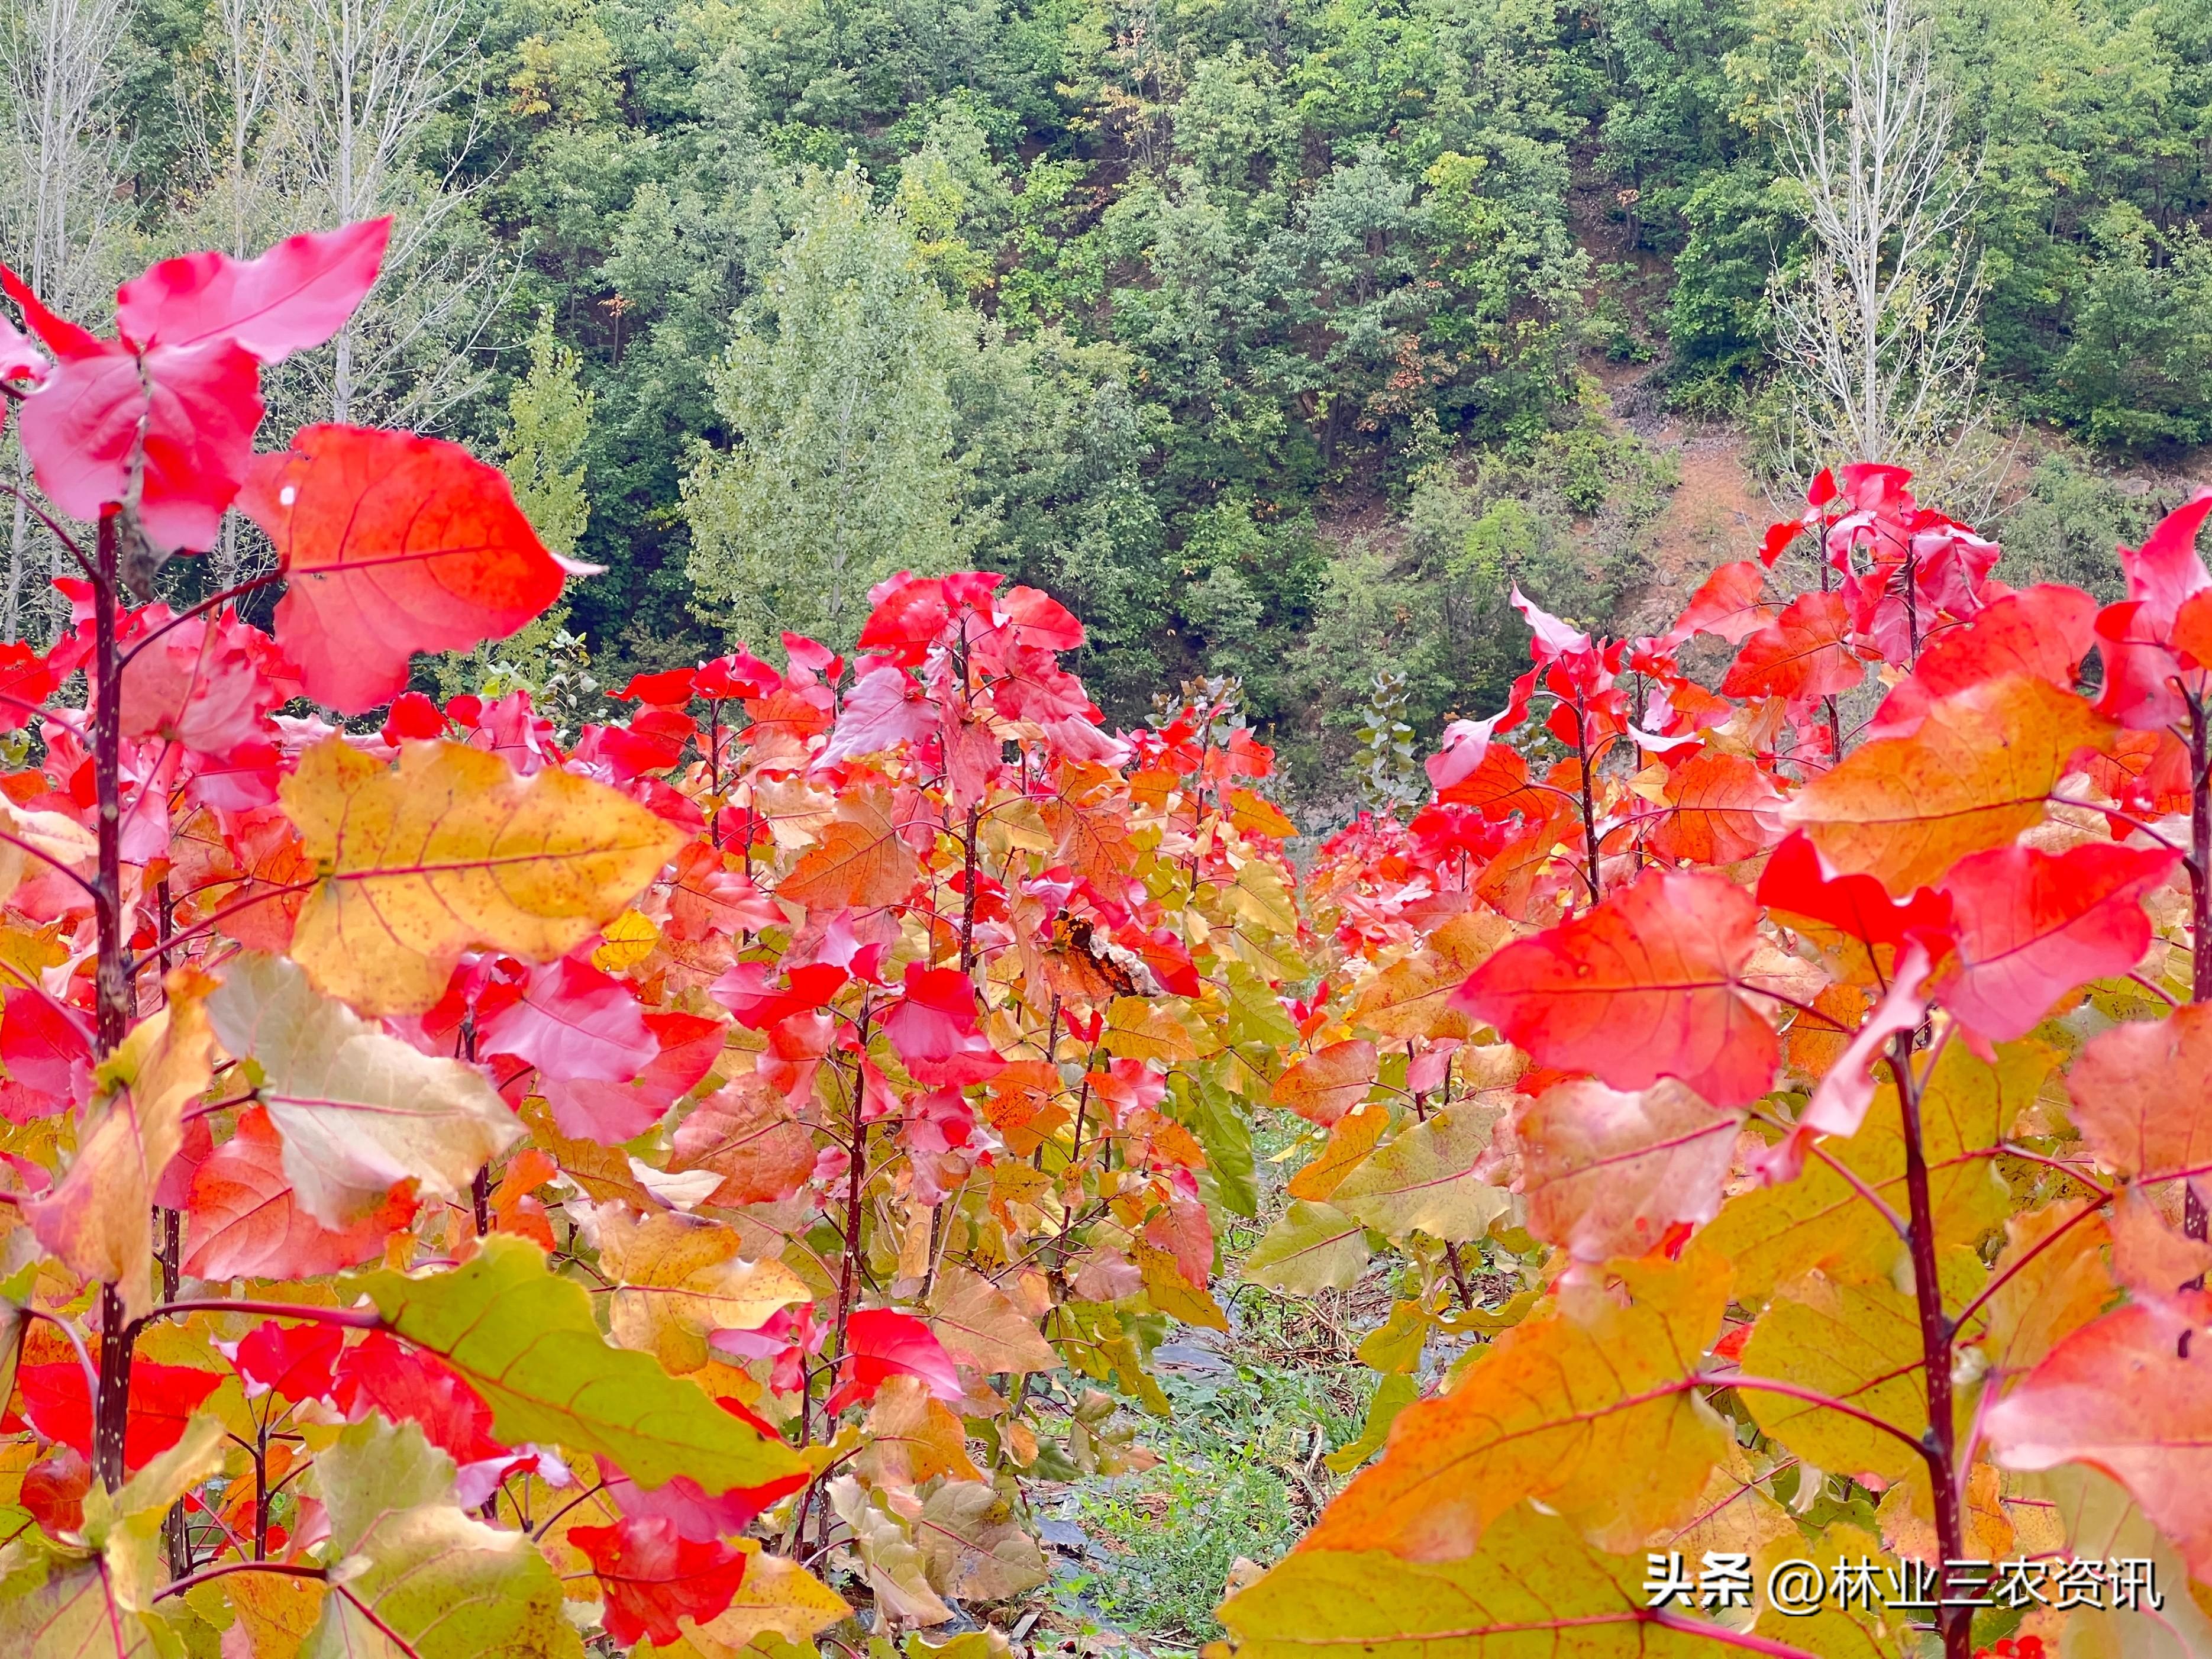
(1716, 514)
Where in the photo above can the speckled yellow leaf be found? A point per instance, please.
(449, 850)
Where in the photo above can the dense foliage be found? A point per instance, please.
(1114, 298)
(1818, 1053)
(473, 1189)
(364, 1295)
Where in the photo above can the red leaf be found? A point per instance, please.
(688, 1508)
(2135, 636)
(162, 1401)
(886, 710)
(1322, 1087)
(745, 990)
(879, 1344)
(1647, 985)
(2031, 926)
(53, 1490)
(297, 1361)
(410, 1387)
(2043, 632)
(708, 897)
(1797, 882)
(1719, 804)
(196, 406)
(652, 1576)
(246, 1224)
(20, 360)
(46, 1046)
(1728, 604)
(413, 715)
(747, 1133)
(25, 681)
(2129, 1394)
(61, 337)
(574, 1022)
(1839, 1102)
(295, 296)
(671, 689)
(2142, 1097)
(202, 682)
(1803, 654)
(392, 543)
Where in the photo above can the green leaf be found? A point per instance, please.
(1211, 1114)
(416, 1577)
(127, 1526)
(526, 1341)
(1391, 1395)
(973, 1546)
(1311, 1247)
(1396, 1344)
(57, 1603)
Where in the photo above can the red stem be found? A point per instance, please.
(110, 1407)
(359, 1319)
(286, 1568)
(1954, 1626)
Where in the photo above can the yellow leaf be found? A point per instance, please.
(1261, 897)
(1349, 1143)
(980, 1325)
(1908, 1517)
(274, 1610)
(2055, 1283)
(1533, 1587)
(1976, 773)
(1426, 1179)
(358, 1110)
(913, 1438)
(630, 940)
(1858, 1343)
(1254, 814)
(126, 1526)
(1311, 1247)
(526, 1341)
(1556, 1410)
(1172, 1293)
(98, 1218)
(1139, 1029)
(451, 850)
(1395, 1345)
(35, 841)
(776, 1597)
(677, 1279)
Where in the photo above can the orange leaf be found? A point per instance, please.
(1977, 772)
(1647, 985)
(1324, 1086)
(860, 863)
(392, 543)
(1803, 654)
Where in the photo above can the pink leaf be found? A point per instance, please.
(574, 1022)
(295, 296)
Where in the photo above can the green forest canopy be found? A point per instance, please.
(1118, 298)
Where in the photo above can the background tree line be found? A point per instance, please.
(1260, 331)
